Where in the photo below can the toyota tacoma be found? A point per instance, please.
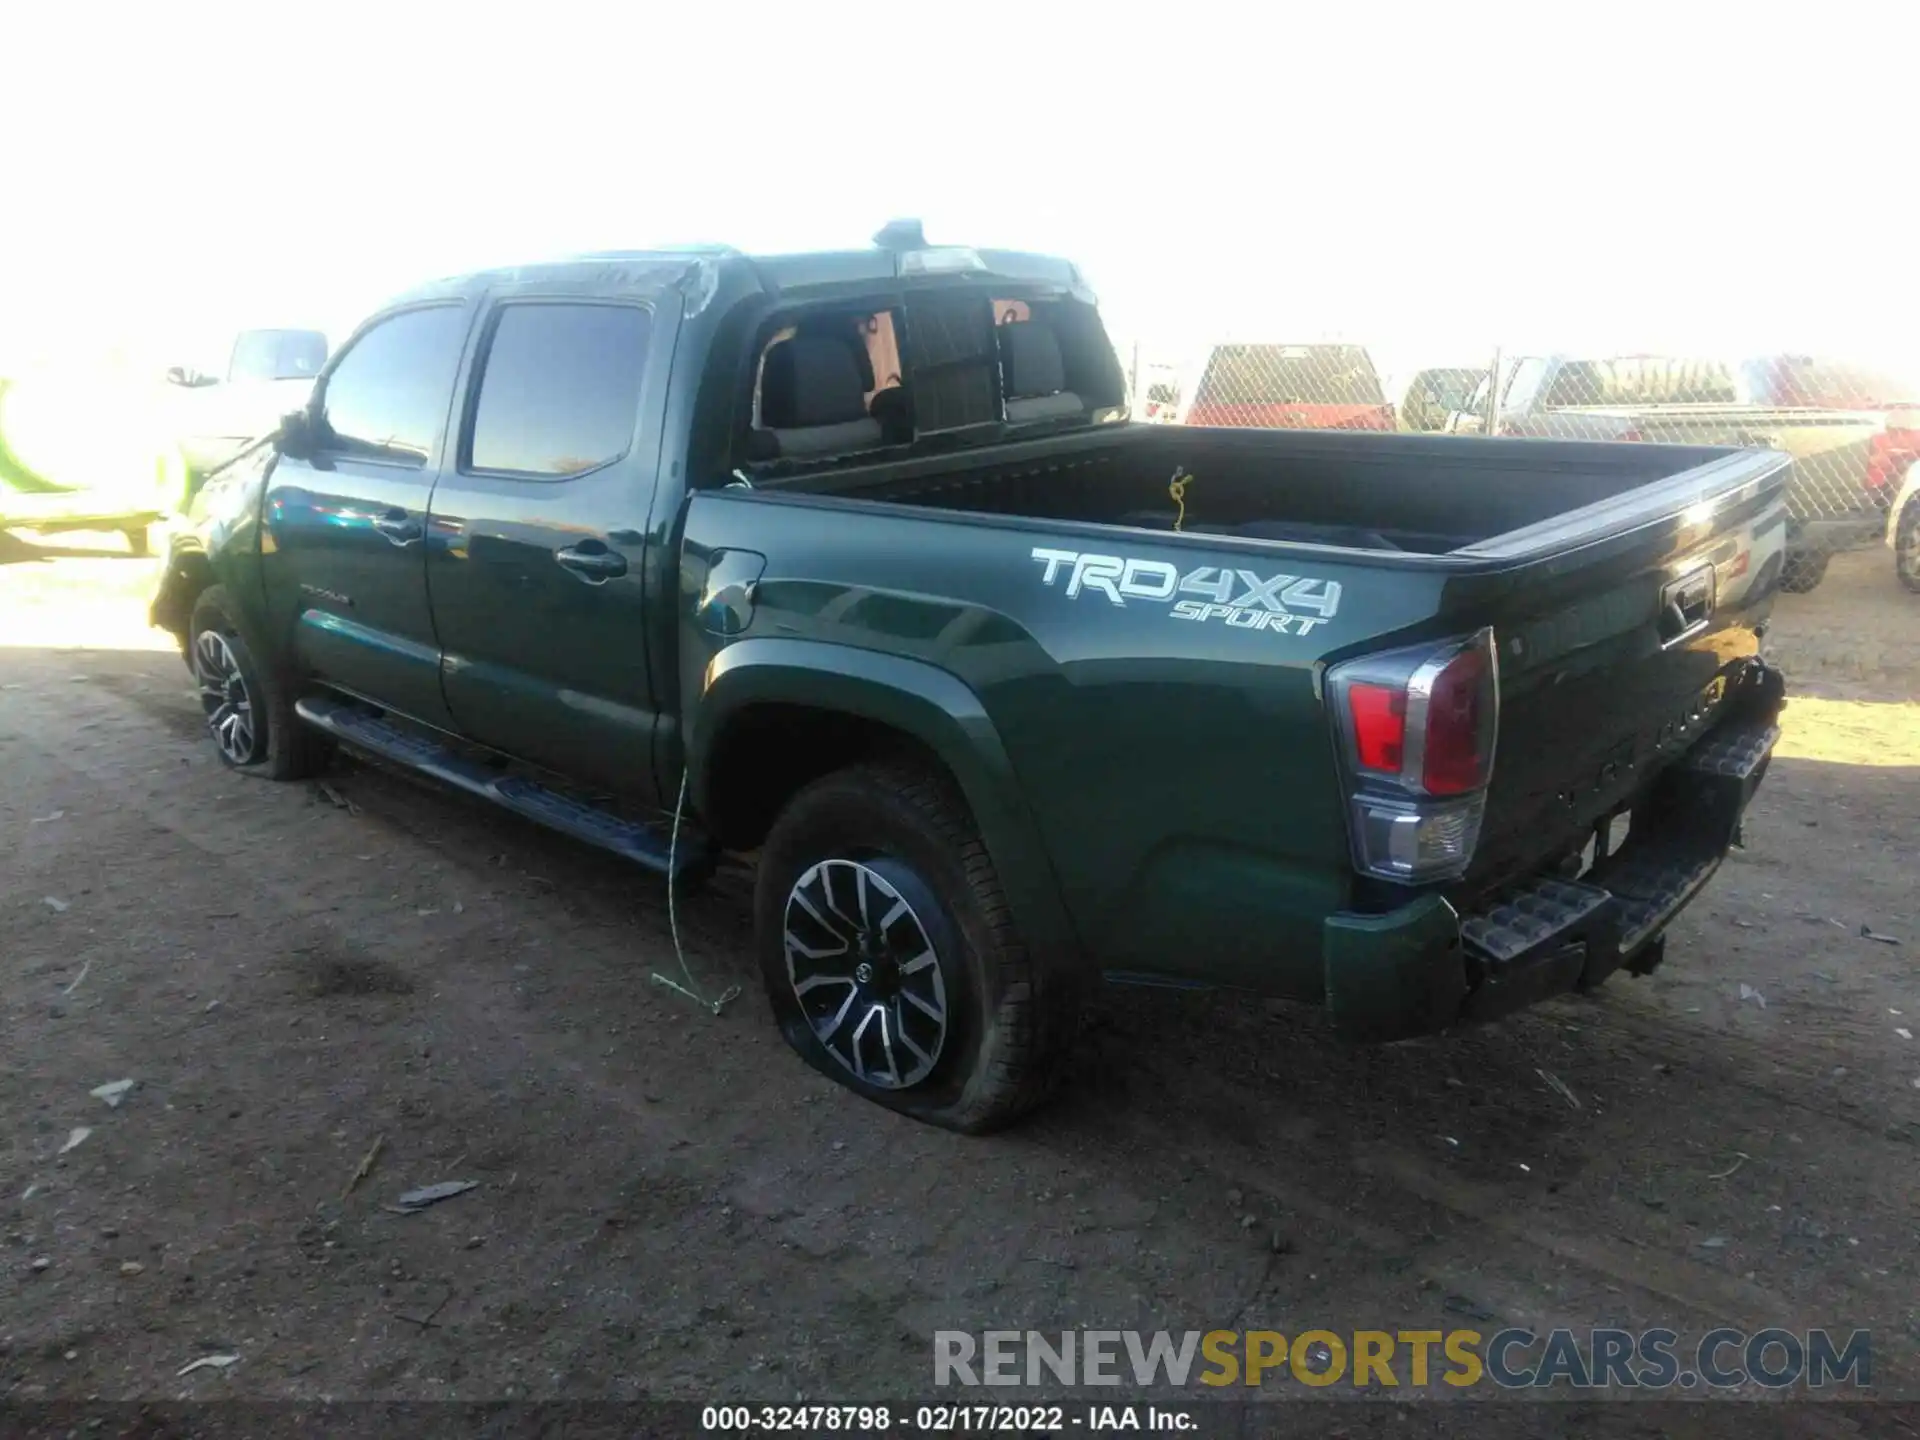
(854, 563)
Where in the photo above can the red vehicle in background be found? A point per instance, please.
(1289, 387)
(1838, 385)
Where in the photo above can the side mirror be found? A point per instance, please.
(295, 438)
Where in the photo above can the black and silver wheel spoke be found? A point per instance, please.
(864, 972)
(223, 696)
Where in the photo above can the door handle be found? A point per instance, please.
(398, 527)
(592, 561)
(1686, 606)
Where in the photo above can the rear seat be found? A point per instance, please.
(1035, 373)
(813, 397)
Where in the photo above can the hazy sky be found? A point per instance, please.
(1428, 180)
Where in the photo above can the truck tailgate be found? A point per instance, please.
(1621, 651)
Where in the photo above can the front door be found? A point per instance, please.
(344, 540)
(538, 546)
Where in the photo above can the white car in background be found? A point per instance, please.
(1903, 528)
(268, 373)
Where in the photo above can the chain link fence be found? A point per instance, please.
(1852, 429)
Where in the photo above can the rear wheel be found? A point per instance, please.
(1906, 546)
(1804, 570)
(249, 710)
(891, 958)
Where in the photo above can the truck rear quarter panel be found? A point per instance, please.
(1175, 770)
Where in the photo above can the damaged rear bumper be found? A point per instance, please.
(1427, 966)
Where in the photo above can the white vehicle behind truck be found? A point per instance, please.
(268, 373)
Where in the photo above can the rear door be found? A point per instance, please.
(540, 551)
(344, 554)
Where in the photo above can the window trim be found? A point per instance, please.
(483, 357)
(317, 405)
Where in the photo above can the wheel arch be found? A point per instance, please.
(774, 714)
(188, 574)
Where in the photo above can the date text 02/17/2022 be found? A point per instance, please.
(946, 1419)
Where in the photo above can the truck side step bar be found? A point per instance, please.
(644, 844)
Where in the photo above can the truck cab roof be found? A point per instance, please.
(795, 276)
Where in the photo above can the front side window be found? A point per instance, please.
(561, 389)
(388, 396)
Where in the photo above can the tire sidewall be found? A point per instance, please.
(852, 816)
(1904, 531)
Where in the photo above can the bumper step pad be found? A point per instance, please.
(1736, 756)
(1650, 887)
(1536, 913)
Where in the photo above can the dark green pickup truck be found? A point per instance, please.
(852, 560)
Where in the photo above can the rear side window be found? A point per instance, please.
(387, 398)
(561, 388)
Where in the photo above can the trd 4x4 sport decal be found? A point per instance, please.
(1286, 604)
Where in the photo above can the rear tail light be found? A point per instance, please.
(1630, 435)
(1416, 733)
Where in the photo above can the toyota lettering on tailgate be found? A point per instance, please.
(1242, 599)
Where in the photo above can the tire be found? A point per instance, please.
(249, 709)
(1804, 570)
(1006, 1019)
(1906, 546)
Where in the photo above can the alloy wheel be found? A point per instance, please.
(863, 969)
(224, 696)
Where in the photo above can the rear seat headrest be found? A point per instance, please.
(842, 332)
(812, 380)
(1031, 361)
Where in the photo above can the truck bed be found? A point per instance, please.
(1400, 494)
(1572, 552)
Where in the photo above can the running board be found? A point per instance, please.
(648, 845)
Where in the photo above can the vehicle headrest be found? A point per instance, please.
(811, 380)
(845, 331)
(1031, 361)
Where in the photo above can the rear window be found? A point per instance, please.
(561, 390)
(1289, 374)
(1450, 389)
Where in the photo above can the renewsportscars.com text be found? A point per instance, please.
(1512, 1359)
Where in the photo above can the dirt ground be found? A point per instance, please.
(670, 1205)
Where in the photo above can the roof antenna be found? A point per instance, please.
(901, 235)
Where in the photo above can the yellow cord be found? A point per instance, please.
(1177, 489)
